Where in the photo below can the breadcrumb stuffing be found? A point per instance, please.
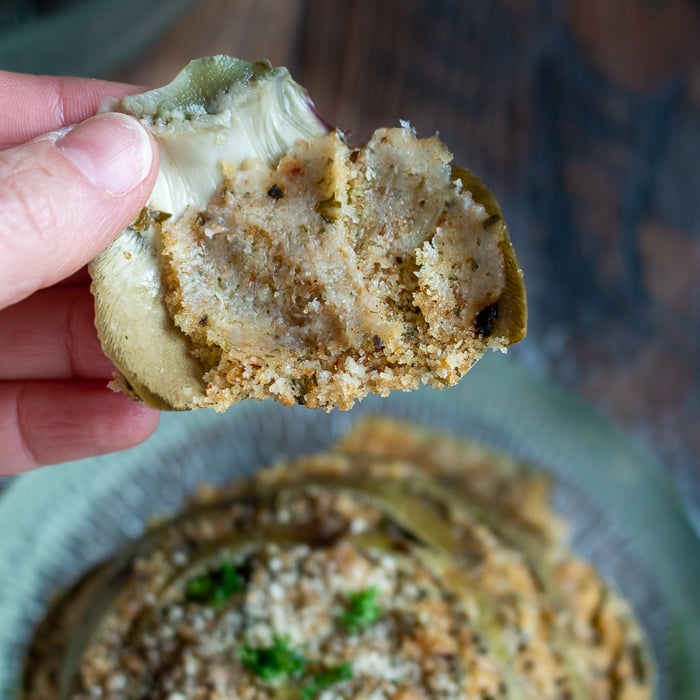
(338, 273)
(401, 566)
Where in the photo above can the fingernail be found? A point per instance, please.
(112, 150)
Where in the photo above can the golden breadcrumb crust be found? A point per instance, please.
(338, 273)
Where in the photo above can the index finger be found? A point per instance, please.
(35, 104)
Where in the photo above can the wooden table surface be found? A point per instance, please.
(582, 115)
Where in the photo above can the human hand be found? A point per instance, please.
(65, 193)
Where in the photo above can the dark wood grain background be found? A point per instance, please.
(583, 116)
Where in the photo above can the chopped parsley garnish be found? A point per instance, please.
(325, 679)
(215, 587)
(327, 209)
(362, 610)
(273, 663)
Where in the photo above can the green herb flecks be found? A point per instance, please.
(147, 218)
(274, 663)
(329, 209)
(325, 679)
(216, 587)
(362, 610)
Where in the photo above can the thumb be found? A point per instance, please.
(65, 196)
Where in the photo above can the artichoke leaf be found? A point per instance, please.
(511, 319)
(217, 114)
(218, 111)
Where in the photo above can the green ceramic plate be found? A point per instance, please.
(626, 517)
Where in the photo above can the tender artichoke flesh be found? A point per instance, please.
(272, 260)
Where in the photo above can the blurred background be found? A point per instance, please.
(582, 115)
